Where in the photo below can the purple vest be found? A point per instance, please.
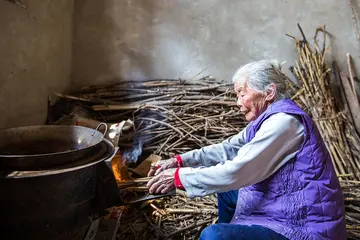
(303, 199)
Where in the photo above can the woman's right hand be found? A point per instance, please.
(162, 165)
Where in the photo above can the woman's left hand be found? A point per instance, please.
(162, 183)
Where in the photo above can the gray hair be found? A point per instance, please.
(261, 74)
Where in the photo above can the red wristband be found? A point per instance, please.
(179, 160)
(177, 180)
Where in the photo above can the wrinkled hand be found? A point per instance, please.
(162, 165)
(162, 183)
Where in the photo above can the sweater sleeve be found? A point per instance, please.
(216, 153)
(276, 142)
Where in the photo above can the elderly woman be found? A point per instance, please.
(274, 180)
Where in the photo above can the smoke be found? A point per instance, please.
(143, 135)
(131, 155)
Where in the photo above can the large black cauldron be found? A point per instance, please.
(57, 203)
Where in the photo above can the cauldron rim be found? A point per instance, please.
(46, 145)
(52, 131)
(107, 152)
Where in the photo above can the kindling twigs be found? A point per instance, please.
(316, 97)
(171, 116)
(172, 218)
(334, 117)
(138, 184)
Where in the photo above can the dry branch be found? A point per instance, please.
(313, 93)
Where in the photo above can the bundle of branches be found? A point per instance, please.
(313, 93)
(171, 116)
(170, 218)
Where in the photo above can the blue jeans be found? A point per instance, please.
(224, 230)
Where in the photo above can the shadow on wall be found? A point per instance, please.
(103, 33)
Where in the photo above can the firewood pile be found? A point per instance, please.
(332, 103)
(173, 116)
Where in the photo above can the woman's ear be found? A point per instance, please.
(271, 93)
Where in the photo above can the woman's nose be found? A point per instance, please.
(238, 102)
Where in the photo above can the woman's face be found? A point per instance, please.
(252, 103)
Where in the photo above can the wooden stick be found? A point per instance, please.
(193, 211)
(72, 97)
(136, 189)
(163, 123)
(354, 106)
(137, 105)
(194, 225)
(157, 229)
(351, 75)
